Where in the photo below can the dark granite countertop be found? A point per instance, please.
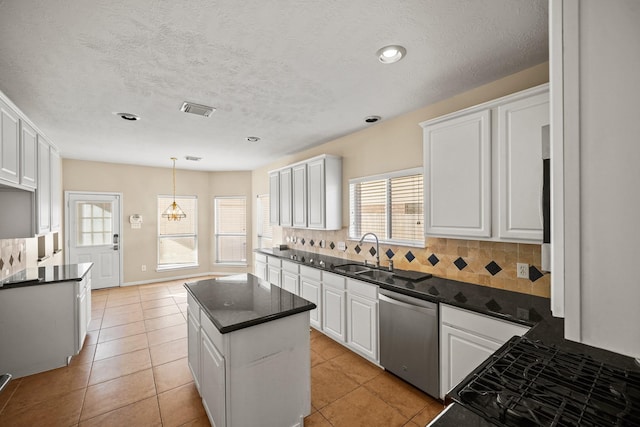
(243, 300)
(45, 275)
(512, 306)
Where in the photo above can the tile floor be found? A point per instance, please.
(133, 371)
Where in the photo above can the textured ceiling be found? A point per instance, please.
(295, 73)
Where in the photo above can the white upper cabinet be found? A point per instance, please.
(285, 197)
(9, 144)
(520, 124)
(274, 198)
(299, 187)
(595, 173)
(483, 169)
(313, 195)
(28, 156)
(56, 190)
(457, 159)
(43, 193)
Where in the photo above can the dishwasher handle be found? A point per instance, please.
(425, 307)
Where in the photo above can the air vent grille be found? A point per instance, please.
(198, 109)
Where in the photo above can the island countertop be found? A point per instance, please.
(243, 300)
(45, 275)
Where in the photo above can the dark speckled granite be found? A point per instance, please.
(513, 306)
(243, 300)
(46, 275)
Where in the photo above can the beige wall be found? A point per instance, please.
(396, 144)
(140, 187)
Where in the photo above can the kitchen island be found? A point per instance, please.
(44, 315)
(249, 351)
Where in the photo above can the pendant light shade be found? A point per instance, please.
(173, 212)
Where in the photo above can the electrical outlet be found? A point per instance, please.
(342, 246)
(144, 267)
(522, 270)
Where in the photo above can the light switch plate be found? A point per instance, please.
(342, 246)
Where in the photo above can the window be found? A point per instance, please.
(265, 229)
(178, 240)
(231, 229)
(389, 205)
(95, 222)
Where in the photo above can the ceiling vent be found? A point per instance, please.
(197, 109)
(193, 158)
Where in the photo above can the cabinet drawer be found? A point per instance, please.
(260, 258)
(333, 281)
(480, 324)
(311, 273)
(364, 289)
(212, 332)
(289, 266)
(273, 261)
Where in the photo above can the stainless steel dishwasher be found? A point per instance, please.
(409, 340)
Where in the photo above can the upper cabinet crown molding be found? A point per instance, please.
(311, 195)
(483, 169)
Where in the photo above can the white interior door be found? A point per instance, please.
(93, 227)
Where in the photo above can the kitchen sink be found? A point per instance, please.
(379, 275)
(352, 268)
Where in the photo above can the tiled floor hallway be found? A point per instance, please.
(133, 371)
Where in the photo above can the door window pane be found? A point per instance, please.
(94, 223)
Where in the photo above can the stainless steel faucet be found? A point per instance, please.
(377, 247)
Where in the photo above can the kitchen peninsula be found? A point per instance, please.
(249, 351)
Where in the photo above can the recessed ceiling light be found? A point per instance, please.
(390, 54)
(128, 116)
(252, 139)
(372, 119)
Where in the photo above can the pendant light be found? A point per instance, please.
(173, 212)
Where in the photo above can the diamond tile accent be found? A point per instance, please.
(493, 268)
(311, 242)
(534, 273)
(20, 256)
(357, 249)
(332, 246)
(389, 253)
(460, 263)
(433, 259)
(372, 251)
(433, 291)
(1, 263)
(409, 256)
(11, 260)
(493, 305)
(460, 297)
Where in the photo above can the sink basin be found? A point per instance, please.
(379, 275)
(352, 268)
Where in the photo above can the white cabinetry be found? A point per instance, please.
(212, 385)
(595, 173)
(9, 144)
(193, 340)
(290, 277)
(83, 310)
(56, 190)
(285, 198)
(274, 270)
(28, 156)
(313, 196)
(466, 340)
(43, 193)
(457, 168)
(311, 290)
(299, 188)
(362, 318)
(334, 306)
(260, 270)
(274, 198)
(483, 169)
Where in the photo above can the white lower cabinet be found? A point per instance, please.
(333, 306)
(311, 290)
(274, 271)
(212, 385)
(193, 333)
(83, 308)
(290, 277)
(260, 267)
(362, 318)
(466, 340)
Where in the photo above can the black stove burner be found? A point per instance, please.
(526, 383)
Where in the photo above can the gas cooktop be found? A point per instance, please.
(526, 383)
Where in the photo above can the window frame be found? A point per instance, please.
(177, 266)
(260, 221)
(388, 213)
(217, 261)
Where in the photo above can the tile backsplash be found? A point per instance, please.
(491, 264)
(13, 257)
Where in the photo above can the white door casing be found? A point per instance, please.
(93, 224)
